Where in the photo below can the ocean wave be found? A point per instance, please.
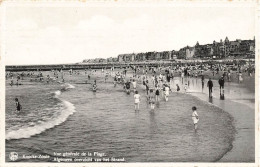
(70, 86)
(27, 132)
(57, 93)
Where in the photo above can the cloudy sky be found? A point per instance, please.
(54, 35)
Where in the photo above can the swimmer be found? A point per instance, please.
(137, 100)
(195, 118)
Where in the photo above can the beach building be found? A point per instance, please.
(130, 57)
(121, 58)
(190, 52)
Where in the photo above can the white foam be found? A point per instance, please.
(27, 132)
(57, 93)
(70, 86)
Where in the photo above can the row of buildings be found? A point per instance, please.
(216, 50)
(222, 49)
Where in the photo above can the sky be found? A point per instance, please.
(57, 35)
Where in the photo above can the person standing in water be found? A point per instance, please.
(137, 100)
(12, 81)
(229, 76)
(221, 82)
(167, 92)
(151, 99)
(182, 77)
(115, 81)
(147, 87)
(94, 86)
(178, 87)
(157, 93)
(210, 86)
(202, 82)
(195, 118)
(240, 79)
(127, 86)
(18, 105)
(134, 84)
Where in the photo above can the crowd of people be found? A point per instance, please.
(157, 82)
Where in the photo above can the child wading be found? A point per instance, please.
(195, 117)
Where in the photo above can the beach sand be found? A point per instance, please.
(244, 121)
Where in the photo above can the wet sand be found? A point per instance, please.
(244, 121)
(243, 149)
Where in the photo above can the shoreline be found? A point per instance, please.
(243, 144)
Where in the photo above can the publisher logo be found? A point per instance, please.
(13, 156)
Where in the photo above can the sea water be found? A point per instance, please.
(70, 117)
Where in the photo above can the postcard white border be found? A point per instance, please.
(118, 3)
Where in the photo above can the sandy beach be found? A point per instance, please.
(244, 121)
